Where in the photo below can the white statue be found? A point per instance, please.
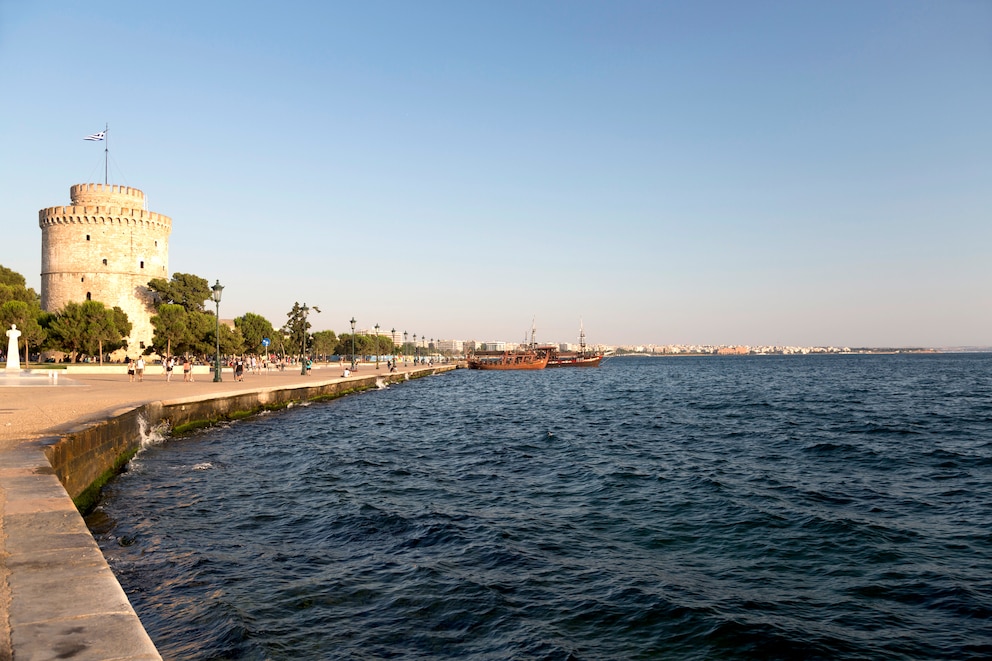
(13, 360)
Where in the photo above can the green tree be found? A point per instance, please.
(254, 328)
(297, 327)
(231, 341)
(189, 291)
(13, 287)
(324, 342)
(170, 330)
(119, 329)
(11, 277)
(202, 334)
(85, 327)
(364, 345)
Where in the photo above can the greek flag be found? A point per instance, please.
(96, 136)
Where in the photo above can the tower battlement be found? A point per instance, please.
(106, 195)
(97, 214)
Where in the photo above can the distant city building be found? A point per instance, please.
(451, 346)
(104, 247)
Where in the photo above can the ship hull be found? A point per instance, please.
(576, 361)
(509, 360)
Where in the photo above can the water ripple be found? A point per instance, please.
(766, 508)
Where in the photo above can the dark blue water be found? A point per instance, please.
(681, 508)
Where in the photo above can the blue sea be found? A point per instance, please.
(782, 507)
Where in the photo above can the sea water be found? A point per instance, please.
(814, 507)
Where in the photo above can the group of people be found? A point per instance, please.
(239, 365)
(136, 368)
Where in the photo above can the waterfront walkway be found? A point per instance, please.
(47, 587)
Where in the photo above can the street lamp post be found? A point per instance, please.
(392, 344)
(416, 353)
(377, 346)
(303, 356)
(217, 288)
(352, 344)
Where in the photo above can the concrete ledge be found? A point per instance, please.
(58, 597)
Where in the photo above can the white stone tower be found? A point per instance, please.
(104, 247)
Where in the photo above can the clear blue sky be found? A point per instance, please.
(794, 172)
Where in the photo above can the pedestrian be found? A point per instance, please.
(169, 364)
(130, 369)
(139, 368)
(239, 370)
(187, 370)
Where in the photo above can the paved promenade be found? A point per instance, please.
(45, 408)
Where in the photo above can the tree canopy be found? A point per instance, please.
(297, 327)
(254, 328)
(324, 342)
(171, 330)
(185, 289)
(11, 278)
(13, 287)
(89, 328)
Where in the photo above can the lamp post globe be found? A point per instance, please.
(352, 344)
(217, 289)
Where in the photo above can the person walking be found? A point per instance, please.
(139, 368)
(187, 370)
(169, 364)
(130, 369)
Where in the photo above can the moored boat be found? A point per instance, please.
(576, 359)
(580, 358)
(526, 359)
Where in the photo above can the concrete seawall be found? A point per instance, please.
(58, 597)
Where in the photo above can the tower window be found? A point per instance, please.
(83, 279)
(87, 237)
(142, 263)
(89, 296)
(104, 262)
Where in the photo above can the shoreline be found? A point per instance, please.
(58, 597)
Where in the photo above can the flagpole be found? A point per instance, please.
(106, 151)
